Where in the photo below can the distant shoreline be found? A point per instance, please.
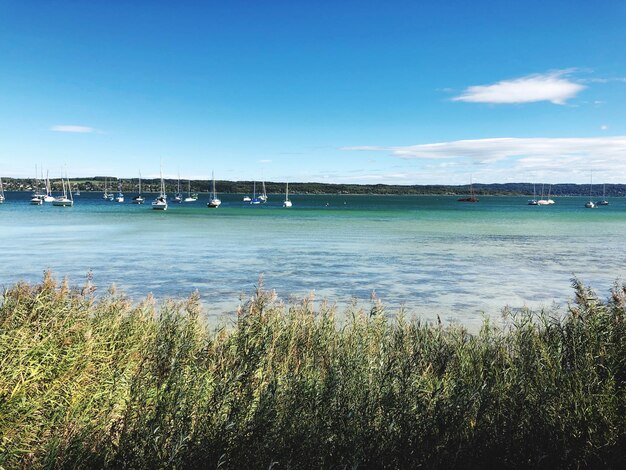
(96, 184)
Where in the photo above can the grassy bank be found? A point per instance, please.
(88, 382)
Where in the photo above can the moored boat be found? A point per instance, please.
(603, 202)
(120, 195)
(64, 200)
(287, 202)
(139, 199)
(190, 197)
(160, 203)
(214, 203)
(471, 198)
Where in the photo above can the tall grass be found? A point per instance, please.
(102, 382)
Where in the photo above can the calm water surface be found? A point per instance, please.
(432, 255)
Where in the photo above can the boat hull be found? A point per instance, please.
(63, 203)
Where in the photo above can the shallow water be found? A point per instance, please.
(433, 255)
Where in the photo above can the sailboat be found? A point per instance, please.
(106, 195)
(48, 197)
(120, 195)
(179, 196)
(214, 203)
(545, 202)
(603, 202)
(138, 199)
(263, 196)
(38, 197)
(64, 200)
(542, 201)
(533, 201)
(255, 200)
(590, 204)
(190, 197)
(77, 192)
(471, 198)
(247, 199)
(287, 202)
(550, 201)
(1, 191)
(160, 203)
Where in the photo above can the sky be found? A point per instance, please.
(394, 92)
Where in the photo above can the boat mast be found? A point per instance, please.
(69, 188)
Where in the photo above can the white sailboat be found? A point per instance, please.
(590, 204)
(64, 200)
(120, 195)
(178, 197)
(542, 201)
(139, 199)
(287, 202)
(247, 199)
(190, 197)
(603, 202)
(160, 203)
(263, 196)
(38, 196)
(550, 201)
(214, 203)
(106, 195)
(48, 197)
(1, 191)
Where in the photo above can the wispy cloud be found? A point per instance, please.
(72, 128)
(603, 80)
(554, 87)
(489, 150)
(556, 159)
(265, 161)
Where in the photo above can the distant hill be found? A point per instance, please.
(152, 185)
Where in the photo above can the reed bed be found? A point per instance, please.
(101, 382)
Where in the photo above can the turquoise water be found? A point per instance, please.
(433, 255)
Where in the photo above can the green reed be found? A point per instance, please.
(90, 381)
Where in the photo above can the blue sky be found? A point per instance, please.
(352, 91)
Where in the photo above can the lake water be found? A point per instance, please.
(432, 255)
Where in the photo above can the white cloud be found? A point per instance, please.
(72, 128)
(552, 87)
(490, 150)
(507, 159)
(265, 161)
(604, 127)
